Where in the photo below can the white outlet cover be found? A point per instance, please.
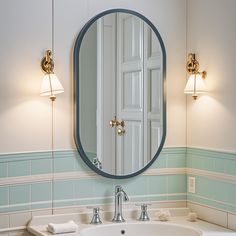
(191, 185)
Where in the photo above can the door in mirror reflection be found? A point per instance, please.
(120, 94)
(129, 66)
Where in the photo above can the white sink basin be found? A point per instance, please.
(140, 229)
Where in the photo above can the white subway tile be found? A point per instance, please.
(41, 212)
(20, 219)
(209, 214)
(232, 221)
(4, 221)
(19, 233)
(3, 234)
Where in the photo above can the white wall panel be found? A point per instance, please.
(212, 36)
(26, 32)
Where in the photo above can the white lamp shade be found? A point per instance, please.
(51, 85)
(195, 85)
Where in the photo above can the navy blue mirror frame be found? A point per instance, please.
(76, 62)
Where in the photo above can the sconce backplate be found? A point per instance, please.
(192, 65)
(47, 63)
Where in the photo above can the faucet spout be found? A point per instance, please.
(119, 195)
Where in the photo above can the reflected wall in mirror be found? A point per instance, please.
(119, 75)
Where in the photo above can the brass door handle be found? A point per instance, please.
(116, 123)
(119, 126)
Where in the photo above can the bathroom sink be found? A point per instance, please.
(140, 229)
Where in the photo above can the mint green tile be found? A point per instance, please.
(177, 197)
(84, 188)
(212, 189)
(36, 205)
(4, 209)
(177, 184)
(157, 184)
(18, 168)
(160, 162)
(199, 162)
(231, 194)
(230, 167)
(134, 186)
(176, 160)
(204, 187)
(219, 165)
(4, 193)
(153, 198)
(41, 192)
(103, 187)
(189, 161)
(64, 189)
(208, 163)
(3, 170)
(220, 190)
(22, 207)
(41, 166)
(231, 209)
(19, 194)
(194, 162)
(80, 165)
(64, 164)
(207, 202)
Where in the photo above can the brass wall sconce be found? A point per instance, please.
(195, 84)
(50, 84)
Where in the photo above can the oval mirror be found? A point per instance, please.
(119, 76)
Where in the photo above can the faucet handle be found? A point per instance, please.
(144, 215)
(96, 217)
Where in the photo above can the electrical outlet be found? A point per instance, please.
(191, 185)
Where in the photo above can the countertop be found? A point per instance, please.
(206, 228)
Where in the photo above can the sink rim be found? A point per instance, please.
(119, 225)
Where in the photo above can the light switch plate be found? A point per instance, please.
(191, 185)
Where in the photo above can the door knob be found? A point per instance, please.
(120, 131)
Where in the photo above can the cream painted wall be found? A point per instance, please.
(26, 32)
(212, 36)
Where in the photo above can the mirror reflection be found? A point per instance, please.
(120, 94)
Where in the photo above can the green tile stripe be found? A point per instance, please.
(88, 201)
(210, 191)
(176, 150)
(211, 203)
(215, 193)
(211, 153)
(26, 164)
(70, 192)
(214, 161)
(65, 153)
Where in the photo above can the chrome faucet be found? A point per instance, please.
(119, 194)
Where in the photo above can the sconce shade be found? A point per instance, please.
(195, 85)
(51, 85)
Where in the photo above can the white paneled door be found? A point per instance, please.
(133, 86)
(129, 150)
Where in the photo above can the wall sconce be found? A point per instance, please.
(195, 84)
(50, 84)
